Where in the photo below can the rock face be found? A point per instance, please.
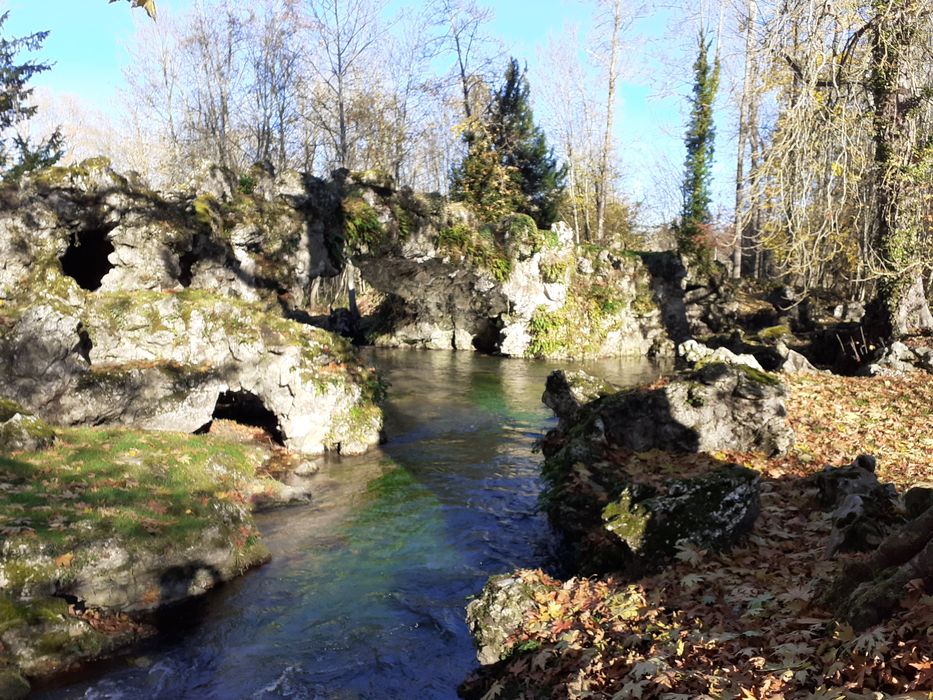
(625, 513)
(435, 278)
(508, 289)
(106, 318)
(165, 361)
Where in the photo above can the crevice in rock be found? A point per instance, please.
(86, 260)
(85, 344)
(186, 262)
(245, 408)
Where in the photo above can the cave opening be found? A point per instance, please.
(488, 337)
(244, 408)
(87, 258)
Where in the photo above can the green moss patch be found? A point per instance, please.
(155, 489)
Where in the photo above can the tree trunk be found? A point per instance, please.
(602, 192)
(869, 591)
(901, 305)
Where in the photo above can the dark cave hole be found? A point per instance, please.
(186, 263)
(246, 408)
(86, 259)
(488, 337)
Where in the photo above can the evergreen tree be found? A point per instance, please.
(17, 155)
(698, 165)
(508, 166)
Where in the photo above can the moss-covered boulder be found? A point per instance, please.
(497, 614)
(20, 431)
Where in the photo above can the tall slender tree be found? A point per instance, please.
(699, 141)
(508, 165)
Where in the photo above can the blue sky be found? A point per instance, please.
(86, 40)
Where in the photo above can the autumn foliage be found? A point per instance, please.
(742, 624)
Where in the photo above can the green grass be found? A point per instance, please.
(160, 488)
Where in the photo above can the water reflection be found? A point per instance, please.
(365, 595)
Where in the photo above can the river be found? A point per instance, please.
(365, 593)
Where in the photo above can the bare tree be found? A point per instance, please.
(348, 33)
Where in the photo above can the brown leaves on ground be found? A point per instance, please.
(741, 624)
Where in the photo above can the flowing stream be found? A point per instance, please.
(365, 594)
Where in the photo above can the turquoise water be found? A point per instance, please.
(365, 594)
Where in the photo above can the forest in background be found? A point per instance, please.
(826, 102)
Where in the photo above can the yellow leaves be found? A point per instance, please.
(148, 5)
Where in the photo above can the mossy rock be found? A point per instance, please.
(12, 685)
(711, 512)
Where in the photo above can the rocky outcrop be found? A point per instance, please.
(624, 512)
(433, 277)
(168, 361)
(121, 305)
(715, 407)
(507, 288)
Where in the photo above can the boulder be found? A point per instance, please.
(566, 392)
(793, 362)
(717, 407)
(25, 433)
(696, 353)
(863, 510)
(497, 614)
(710, 512)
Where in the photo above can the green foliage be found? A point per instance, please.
(17, 154)
(480, 248)
(361, 224)
(554, 269)
(509, 166)
(246, 184)
(698, 165)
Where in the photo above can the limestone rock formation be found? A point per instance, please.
(625, 515)
(169, 361)
(497, 614)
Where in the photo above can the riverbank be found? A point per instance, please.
(109, 524)
(743, 623)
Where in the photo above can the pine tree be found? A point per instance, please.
(17, 155)
(698, 165)
(507, 144)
